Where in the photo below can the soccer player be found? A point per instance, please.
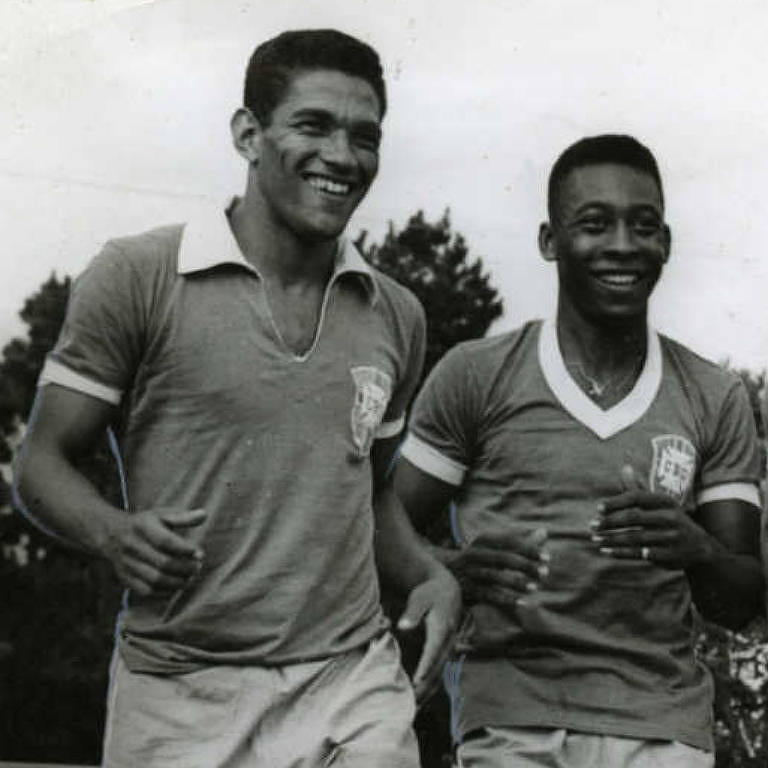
(605, 479)
(261, 369)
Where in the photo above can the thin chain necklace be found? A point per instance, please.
(597, 389)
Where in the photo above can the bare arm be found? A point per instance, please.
(727, 584)
(404, 562)
(497, 567)
(146, 551)
(718, 548)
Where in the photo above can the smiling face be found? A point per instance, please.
(609, 240)
(319, 153)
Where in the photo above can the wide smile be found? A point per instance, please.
(328, 185)
(618, 280)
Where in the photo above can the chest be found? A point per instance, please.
(531, 447)
(296, 315)
(221, 358)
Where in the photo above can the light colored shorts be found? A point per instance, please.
(558, 748)
(356, 710)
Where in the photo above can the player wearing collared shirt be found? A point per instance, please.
(262, 370)
(605, 479)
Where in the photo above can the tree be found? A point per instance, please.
(739, 660)
(58, 607)
(457, 296)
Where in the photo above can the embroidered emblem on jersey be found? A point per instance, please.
(674, 465)
(373, 389)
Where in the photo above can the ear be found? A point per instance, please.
(246, 134)
(667, 236)
(547, 242)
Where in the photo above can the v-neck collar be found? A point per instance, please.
(208, 242)
(604, 423)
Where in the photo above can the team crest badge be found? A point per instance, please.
(674, 465)
(373, 389)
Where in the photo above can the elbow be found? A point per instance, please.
(735, 613)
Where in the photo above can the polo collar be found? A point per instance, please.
(604, 423)
(207, 242)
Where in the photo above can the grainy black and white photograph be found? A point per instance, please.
(383, 384)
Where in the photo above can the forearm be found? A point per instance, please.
(727, 588)
(55, 495)
(403, 560)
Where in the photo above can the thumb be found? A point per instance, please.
(537, 537)
(630, 479)
(414, 611)
(183, 518)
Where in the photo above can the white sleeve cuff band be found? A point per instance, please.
(430, 460)
(55, 373)
(743, 491)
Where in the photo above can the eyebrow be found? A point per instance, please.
(324, 114)
(604, 205)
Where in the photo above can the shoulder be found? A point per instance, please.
(396, 298)
(478, 364)
(150, 250)
(696, 372)
(494, 352)
(129, 273)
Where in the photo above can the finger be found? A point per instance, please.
(527, 546)
(495, 560)
(155, 579)
(185, 518)
(437, 644)
(635, 498)
(621, 553)
(637, 537)
(630, 479)
(635, 518)
(415, 607)
(516, 580)
(505, 599)
(650, 554)
(139, 549)
(164, 539)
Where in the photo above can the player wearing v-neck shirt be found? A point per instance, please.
(262, 369)
(589, 518)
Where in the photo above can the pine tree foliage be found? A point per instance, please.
(434, 263)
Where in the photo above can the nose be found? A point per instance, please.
(622, 240)
(336, 150)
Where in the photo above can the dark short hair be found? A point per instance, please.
(274, 62)
(595, 150)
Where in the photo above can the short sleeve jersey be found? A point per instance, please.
(174, 325)
(604, 645)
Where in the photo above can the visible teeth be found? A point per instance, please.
(619, 279)
(326, 185)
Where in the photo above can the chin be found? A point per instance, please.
(618, 317)
(322, 229)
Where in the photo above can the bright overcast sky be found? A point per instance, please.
(114, 118)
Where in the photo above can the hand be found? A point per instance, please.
(149, 555)
(437, 603)
(501, 568)
(639, 524)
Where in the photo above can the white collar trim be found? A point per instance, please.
(208, 241)
(610, 422)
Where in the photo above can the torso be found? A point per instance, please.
(295, 313)
(602, 644)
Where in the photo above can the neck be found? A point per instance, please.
(275, 251)
(601, 349)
